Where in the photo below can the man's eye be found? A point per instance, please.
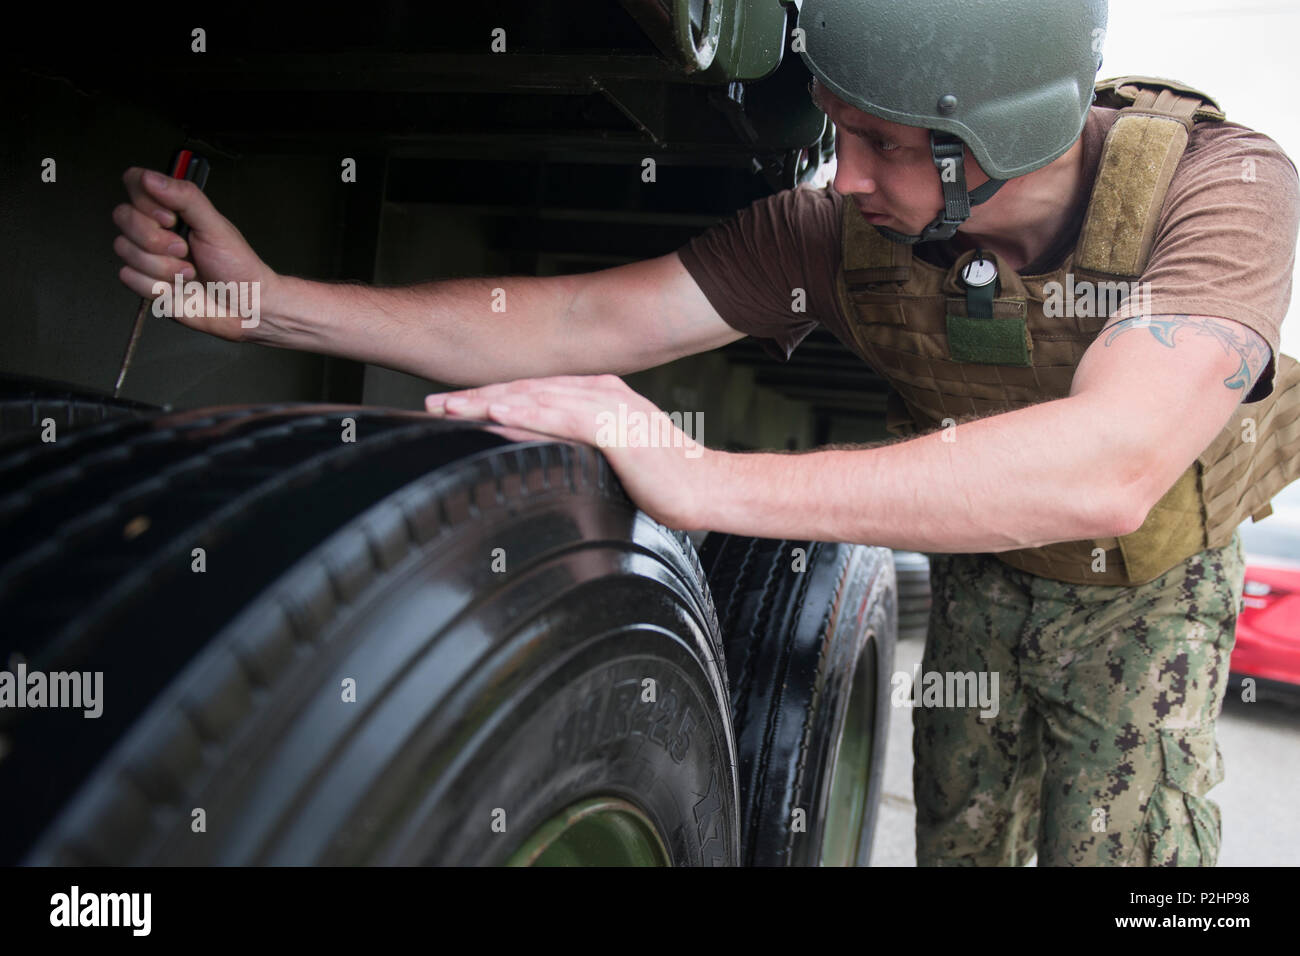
(881, 145)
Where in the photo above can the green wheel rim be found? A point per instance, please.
(851, 775)
(598, 831)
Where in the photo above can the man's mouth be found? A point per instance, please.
(871, 216)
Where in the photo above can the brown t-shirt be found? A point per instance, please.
(1225, 245)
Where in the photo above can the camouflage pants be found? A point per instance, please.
(1102, 747)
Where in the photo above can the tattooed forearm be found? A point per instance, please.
(1234, 337)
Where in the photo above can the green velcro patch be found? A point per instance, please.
(988, 341)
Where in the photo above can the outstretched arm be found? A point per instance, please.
(1142, 407)
(1148, 397)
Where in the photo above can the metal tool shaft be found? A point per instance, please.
(136, 329)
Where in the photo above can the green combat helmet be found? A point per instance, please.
(1012, 79)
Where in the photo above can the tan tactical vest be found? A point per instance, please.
(910, 321)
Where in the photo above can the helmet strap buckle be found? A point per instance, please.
(949, 157)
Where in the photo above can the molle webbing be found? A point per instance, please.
(1255, 456)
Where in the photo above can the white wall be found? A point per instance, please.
(1244, 55)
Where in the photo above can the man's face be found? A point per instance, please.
(886, 167)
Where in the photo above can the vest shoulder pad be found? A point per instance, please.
(1160, 96)
(1138, 160)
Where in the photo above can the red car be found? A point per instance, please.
(1268, 628)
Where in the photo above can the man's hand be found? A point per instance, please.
(667, 473)
(154, 253)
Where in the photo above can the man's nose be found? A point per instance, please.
(854, 172)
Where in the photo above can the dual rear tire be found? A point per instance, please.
(809, 634)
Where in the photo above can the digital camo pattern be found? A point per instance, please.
(1102, 749)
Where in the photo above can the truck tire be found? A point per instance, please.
(28, 405)
(809, 630)
(429, 644)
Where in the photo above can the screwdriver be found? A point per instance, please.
(188, 165)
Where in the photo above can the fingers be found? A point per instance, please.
(467, 397)
(146, 232)
(142, 285)
(579, 386)
(475, 403)
(157, 268)
(144, 201)
(560, 417)
(156, 191)
(151, 252)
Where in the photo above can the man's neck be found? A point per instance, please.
(1024, 219)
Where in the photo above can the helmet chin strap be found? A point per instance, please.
(949, 159)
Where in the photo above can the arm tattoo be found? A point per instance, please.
(1232, 336)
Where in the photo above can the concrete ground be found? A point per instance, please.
(1260, 743)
